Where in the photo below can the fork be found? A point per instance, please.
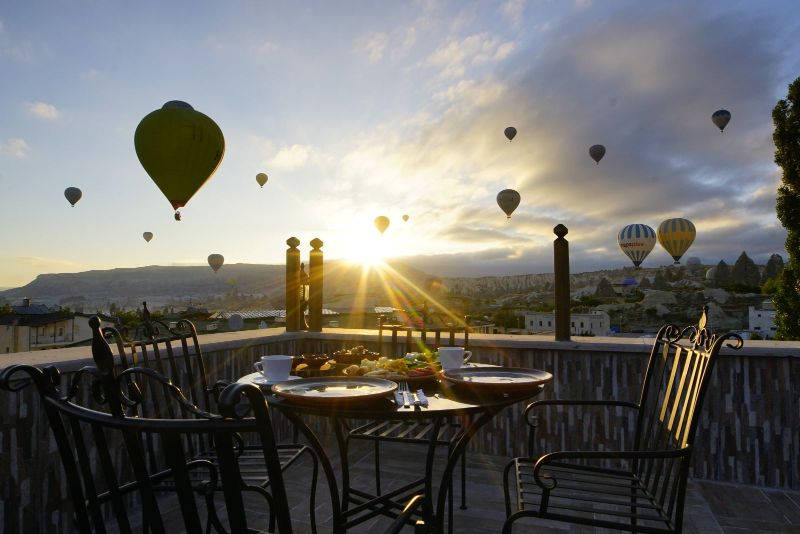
(405, 391)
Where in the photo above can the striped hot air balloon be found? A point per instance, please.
(636, 241)
(676, 236)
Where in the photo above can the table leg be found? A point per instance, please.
(327, 468)
(341, 441)
(452, 459)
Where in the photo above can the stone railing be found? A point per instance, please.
(749, 429)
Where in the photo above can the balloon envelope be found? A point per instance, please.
(381, 223)
(405, 218)
(216, 261)
(180, 148)
(73, 195)
(510, 132)
(261, 178)
(721, 118)
(676, 236)
(597, 152)
(508, 200)
(147, 236)
(636, 241)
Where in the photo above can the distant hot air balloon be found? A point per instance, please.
(216, 261)
(261, 178)
(508, 200)
(73, 194)
(676, 236)
(381, 223)
(636, 241)
(180, 149)
(510, 132)
(597, 152)
(147, 236)
(721, 118)
(405, 218)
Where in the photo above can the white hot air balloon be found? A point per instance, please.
(636, 241)
(147, 236)
(216, 261)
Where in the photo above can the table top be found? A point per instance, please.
(443, 400)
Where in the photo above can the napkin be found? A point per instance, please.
(398, 398)
(422, 398)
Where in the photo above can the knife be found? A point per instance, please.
(417, 402)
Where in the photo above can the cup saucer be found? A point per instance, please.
(262, 380)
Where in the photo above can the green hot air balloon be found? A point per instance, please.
(215, 261)
(147, 236)
(508, 200)
(180, 148)
(261, 178)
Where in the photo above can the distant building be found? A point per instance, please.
(596, 323)
(762, 321)
(37, 327)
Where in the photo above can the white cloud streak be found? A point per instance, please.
(43, 110)
(14, 148)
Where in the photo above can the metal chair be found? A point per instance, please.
(414, 432)
(174, 351)
(113, 485)
(641, 489)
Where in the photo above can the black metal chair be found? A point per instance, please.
(174, 352)
(641, 489)
(113, 485)
(414, 432)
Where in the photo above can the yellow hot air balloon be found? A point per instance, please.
(180, 148)
(381, 223)
(676, 236)
(261, 178)
(405, 218)
(216, 261)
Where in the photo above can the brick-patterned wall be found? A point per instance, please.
(749, 429)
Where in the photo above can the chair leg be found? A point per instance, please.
(377, 447)
(506, 493)
(464, 480)
(312, 500)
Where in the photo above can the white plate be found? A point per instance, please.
(262, 380)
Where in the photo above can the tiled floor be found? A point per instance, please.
(710, 507)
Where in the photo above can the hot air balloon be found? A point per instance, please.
(510, 132)
(73, 194)
(508, 200)
(180, 148)
(676, 236)
(261, 178)
(216, 261)
(597, 152)
(381, 223)
(721, 118)
(405, 218)
(147, 236)
(636, 241)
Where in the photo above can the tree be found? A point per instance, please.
(660, 282)
(786, 117)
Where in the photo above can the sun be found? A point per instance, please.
(365, 250)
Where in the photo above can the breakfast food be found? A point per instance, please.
(355, 355)
(421, 366)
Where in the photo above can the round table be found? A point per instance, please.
(444, 401)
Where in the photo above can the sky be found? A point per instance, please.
(360, 109)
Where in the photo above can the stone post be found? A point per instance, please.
(315, 276)
(561, 283)
(292, 285)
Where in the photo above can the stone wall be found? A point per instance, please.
(749, 430)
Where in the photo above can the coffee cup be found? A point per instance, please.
(453, 357)
(275, 368)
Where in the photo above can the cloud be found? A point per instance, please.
(291, 157)
(17, 52)
(373, 46)
(44, 111)
(47, 264)
(513, 11)
(14, 148)
(453, 57)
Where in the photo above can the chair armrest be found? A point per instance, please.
(549, 483)
(217, 388)
(401, 520)
(573, 402)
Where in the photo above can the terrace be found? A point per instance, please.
(745, 472)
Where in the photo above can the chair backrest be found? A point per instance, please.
(677, 377)
(172, 350)
(422, 342)
(104, 458)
